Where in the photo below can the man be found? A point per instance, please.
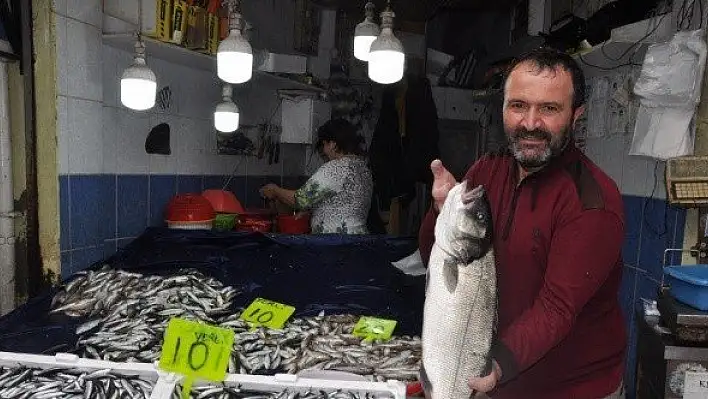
(558, 231)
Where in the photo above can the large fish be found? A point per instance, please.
(460, 314)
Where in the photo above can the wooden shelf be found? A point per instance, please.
(193, 59)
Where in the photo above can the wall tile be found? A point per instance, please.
(189, 184)
(85, 257)
(627, 292)
(109, 248)
(62, 56)
(253, 196)
(132, 197)
(162, 189)
(646, 287)
(66, 264)
(116, 25)
(60, 6)
(111, 132)
(656, 234)
(134, 129)
(85, 136)
(84, 49)
(111, 76)
(238, 186)
(64, 213)
(92, 211)
(633, 226)
(677, 221)
(88, 11)
(63, 134)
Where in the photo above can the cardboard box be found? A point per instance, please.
(179, 21)
(213, 11)
(196, 35)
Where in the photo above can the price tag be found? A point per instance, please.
(262, 312)
(374, 328)
(196, 350)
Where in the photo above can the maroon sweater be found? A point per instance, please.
(557, 239)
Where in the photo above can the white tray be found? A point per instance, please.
(390, 389)
(146, 371)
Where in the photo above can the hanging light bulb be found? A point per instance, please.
(138, 84)
(226, 115)
(386, 57)
(365, 33)
(234, 56)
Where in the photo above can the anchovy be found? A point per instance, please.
(127, 314)
(459, 318)
(23, 382)
(226, 392)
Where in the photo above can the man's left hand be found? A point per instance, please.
(487, 383)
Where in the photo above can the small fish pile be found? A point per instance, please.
(129, 312)
(24, 382)
(323, 343)
(225, 392)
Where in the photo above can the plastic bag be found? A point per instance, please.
(672, 72)
(663, 132)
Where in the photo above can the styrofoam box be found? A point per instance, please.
(146, 371)
(279, 382)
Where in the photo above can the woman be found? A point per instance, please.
(339, 193)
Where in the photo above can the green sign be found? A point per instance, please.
(262, 312)
(196, 350)
(374, 328)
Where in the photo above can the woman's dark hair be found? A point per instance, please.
(546, 58)
(343, 134)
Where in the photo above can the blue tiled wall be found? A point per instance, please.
(104, 212)
(651, 227)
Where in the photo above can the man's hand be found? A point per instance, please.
(487, 383)
(443, 182)
(269, 191)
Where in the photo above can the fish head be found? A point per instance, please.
(470, 222)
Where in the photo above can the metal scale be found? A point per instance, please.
(687, 187)
(675, 344)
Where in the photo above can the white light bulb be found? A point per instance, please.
(226, 115)
(234, 59)
(386, 59)
(365, 33)
(138, 85)
(226, 121)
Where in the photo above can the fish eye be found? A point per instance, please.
(480, 216)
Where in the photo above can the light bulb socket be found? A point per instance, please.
(369, 11)
(227, 92)
(387, 17)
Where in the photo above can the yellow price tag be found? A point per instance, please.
(196, 350)
(262, 312)
(374, 328)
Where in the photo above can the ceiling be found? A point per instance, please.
(416, 11)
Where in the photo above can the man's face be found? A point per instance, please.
(538, 113)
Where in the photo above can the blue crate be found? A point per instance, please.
(689, 284)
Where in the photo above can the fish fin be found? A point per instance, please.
(425, 382)
(471, 194)
(450, 275)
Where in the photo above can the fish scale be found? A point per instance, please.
(459, 318)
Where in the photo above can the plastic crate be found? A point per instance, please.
(689, 284)
(146, 371)
(394, 389)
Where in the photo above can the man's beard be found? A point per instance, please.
(554, 146)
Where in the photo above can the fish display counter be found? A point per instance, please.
(118, 309)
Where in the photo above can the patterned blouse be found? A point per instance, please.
(339, 196)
